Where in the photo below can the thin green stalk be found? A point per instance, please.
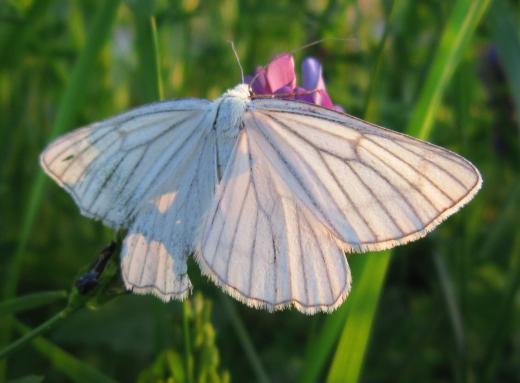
(186, 310)
(68, 107)
(505, 35)
(506, 217)
(15, 41)
(245, 340)
(350, 354)
(369, 105)
(158, 76)
(504, 317)
(464, 18)
(320, 350)
(151, 71)
(454, 313)
(31, 301)
(41, 329)
(148, 78)
(363, 301)
(73, 368)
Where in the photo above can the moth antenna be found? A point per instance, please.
(316, 42)
(238, 59)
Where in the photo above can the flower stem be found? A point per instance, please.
(187, 340)
(245, 340)
(44, 327)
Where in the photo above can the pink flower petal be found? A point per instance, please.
(323, 99)
(278, 78)
(280, 72)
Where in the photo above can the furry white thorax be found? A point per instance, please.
(241, 91)
(228, 111)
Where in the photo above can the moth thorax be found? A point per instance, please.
(240, 91)
(229, 115)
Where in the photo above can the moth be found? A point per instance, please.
(267, 193)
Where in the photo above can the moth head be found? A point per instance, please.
(242, 91)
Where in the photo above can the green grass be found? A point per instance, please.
(31, 301)
(349, 357)
(70, 104)
(64, 362)
(443, 308)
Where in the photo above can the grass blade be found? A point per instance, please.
(31, 301)
(151, 82)
(29, 335)
(505, 317)
(450, 296)
(507, 41)
(506, 218)
(67, 364)
(319, 350)
(16, 40)
(463, 21)
(67, 109)
(158, 76)
(148, 76)
(348, 360)
(363, 301)
(245, 340)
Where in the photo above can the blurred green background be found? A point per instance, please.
(443, 309)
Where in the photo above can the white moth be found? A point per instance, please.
(267, 194)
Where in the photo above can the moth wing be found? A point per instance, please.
(150, 170)
(111, 167)
(263, 246)
(373, 188)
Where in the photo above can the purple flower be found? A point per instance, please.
(278, 79)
